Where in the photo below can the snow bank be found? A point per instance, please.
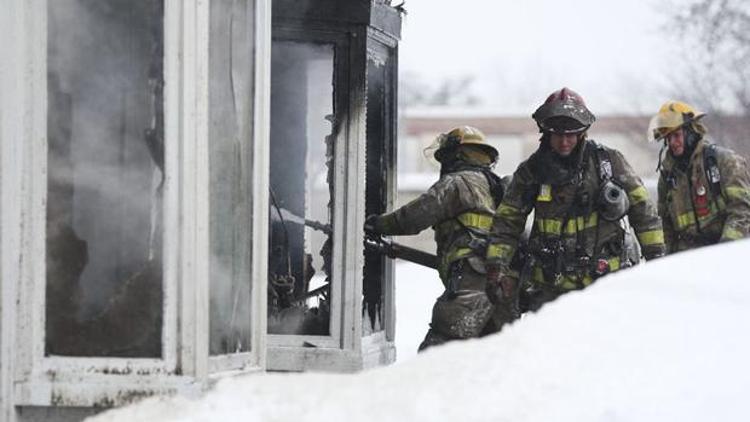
(666, 341)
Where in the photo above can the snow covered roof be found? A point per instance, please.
(666, 341)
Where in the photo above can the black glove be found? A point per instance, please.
(499, 285)
(371, 224)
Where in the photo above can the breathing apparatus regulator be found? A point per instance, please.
(612, 202)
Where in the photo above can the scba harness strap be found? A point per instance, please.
(585, 269)
(711, 167)
(603, 164)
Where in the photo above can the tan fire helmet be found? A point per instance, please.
(447, 143)
(671, 116)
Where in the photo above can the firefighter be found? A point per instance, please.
(580, 191)
(460, 208)
(704, 189)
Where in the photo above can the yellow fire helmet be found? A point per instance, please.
(447, 143)
(673, 115)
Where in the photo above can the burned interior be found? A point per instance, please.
(105, 178)
(189, 186)
(328, 66)
(301, 188)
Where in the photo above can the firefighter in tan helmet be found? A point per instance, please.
(704, 189)
(580, 192)
(459, 207)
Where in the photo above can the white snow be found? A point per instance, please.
(666, 341)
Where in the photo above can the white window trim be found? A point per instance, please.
(12, 126)
(255, 359)
(343, 349)
(341, 313)
(83, 381)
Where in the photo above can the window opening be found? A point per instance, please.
(303, 131)
(105, 178)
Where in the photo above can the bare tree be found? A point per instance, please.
(712, 39)
(414, 91)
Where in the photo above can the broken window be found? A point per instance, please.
(301, 188)
(105, 178)
(230, 144)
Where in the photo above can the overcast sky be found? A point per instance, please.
(612, 52)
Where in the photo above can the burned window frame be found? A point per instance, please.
(383, 50)
(341, 46)
(255, 157)
(347, 348)
(185, 365)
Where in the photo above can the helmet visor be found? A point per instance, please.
(566, 117)
(663, 124)
(563, 125)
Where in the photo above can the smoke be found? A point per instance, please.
(301, 165)
(102, 180)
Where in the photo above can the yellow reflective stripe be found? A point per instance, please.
(458, 253)
(730, 233)
(571, 283)
(721, 203)
(538, 275)
(476, 220)
(652, 237)
(549, 225)
(580, 224)
(499, 250)
(686, 219)
(736, 192)
(509, 212)
(545, 193)
(638, 195)
(554, 225)
(614, 263)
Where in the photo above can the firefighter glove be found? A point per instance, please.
(500, 286)
(371, 224)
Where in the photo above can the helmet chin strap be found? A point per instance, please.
(661, 154)
(691, 139)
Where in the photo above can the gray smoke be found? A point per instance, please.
(99, 56)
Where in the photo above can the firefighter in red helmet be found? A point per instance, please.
(580, 192)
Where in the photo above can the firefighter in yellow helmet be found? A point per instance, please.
(580, 192)
(459, 207)
(704, 189)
